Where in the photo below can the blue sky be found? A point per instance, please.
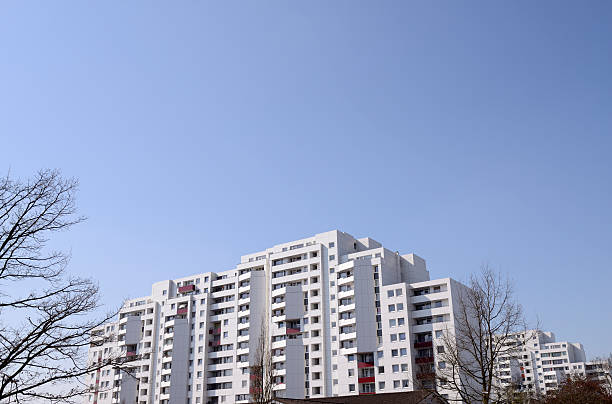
(464, 132)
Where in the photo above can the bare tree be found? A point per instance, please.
(262, 371)
(45, 314)
(489, 325)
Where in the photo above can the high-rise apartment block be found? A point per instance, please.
(345, 316)
(542, 363)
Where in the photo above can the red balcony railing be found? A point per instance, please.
(422, 376)
(291, 331)
(215, 331)
(182, 311)
(365, 365)
(368, 379)
(425, 344)
(130, 353)
(424, 359)
(366, 392)
(186, 288)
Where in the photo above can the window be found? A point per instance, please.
(351, 372)
(404, 367)
(331, 258)
(400, 321)
(394, 352)
(391, 308)
(440, 348)
(351, 387)
(400, 306)
(438, 333)
(381, 369)
(405, 383)
(393, 337)
(442, 365)
(396, 384)
(380, 354)
(381, 385)
(165, 292)
(402, 336)
(392, 322)
(332, 244)
(389, 293)
(395, 368)
(403, 352)
(398, 292)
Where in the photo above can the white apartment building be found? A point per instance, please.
(345, 315)
(544, 363)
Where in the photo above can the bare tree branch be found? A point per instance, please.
(488, 324)
(43, 334)
(262, 371)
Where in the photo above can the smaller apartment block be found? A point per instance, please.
(544, 363)
(346, 316)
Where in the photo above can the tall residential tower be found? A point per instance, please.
(345, 316)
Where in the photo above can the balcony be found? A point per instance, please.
(345, 280)
(367, 379)
(346, 293)
(346, 307)
(186, 288)
(215, 331)
(346, 321)
(361, 365)
(345, 336)
(291, 331)
(181, 311)
(425, 376)
(348, 350)
(424, 359)
(423, 344)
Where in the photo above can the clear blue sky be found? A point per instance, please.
(200, 131)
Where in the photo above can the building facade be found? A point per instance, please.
(544, 363)
(345, 316)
